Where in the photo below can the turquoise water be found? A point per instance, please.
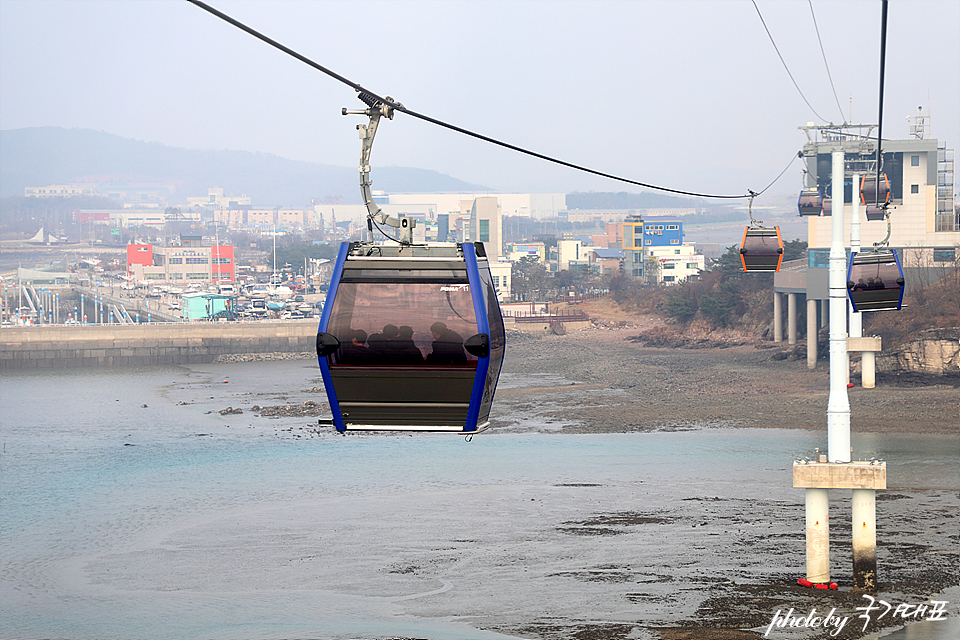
(168, 520)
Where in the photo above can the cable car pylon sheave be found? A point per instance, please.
(411, 337)
(762, 247)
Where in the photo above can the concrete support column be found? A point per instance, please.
(791, 318)
(818, 535)
(868, 369)
(847, 356)
(864, 539)
(811, 333)
(824, 313)
(777, 316)
(838, 403)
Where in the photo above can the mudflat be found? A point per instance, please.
(611, 384)
(600, 381)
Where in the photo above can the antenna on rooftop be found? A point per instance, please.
(918, 123)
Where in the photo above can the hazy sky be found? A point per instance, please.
(680, 93)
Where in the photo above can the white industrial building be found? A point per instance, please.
(673, 265)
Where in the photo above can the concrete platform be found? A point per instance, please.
(839, 475)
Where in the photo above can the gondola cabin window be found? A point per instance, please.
(403, 323)
(875, 281)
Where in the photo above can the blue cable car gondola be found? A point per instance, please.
(810, 202)
(411, 338)
(875, 281)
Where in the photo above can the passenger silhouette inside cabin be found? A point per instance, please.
(354, 351)
(405, 349)
(447, 346)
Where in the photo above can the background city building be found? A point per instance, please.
(181, 265)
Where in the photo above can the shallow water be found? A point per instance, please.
(169, 520)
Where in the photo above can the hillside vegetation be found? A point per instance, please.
(727, 306)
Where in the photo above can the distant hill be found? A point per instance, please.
(39, 156)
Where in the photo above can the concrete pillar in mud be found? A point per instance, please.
(811, 333)
(818, 535)
(864, 539)
(868, 369)
(777, 316)
(791, 318)
(816, 478)
(868, 348)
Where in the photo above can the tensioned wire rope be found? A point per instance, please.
(399, 107)
(827, 66)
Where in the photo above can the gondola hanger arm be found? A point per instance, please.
(375, 110)
(753, 223)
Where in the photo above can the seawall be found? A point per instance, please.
(148, 344)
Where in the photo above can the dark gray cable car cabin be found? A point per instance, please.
(875, 213)
(761, 249)
(874, 190)
(875, 194)
(875, 281)
(411, 338)
(810, 202)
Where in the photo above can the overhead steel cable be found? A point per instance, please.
(883, 64)
(777, 49)
(824, 54)
(399, 107)
(793, 159)
(879, 162)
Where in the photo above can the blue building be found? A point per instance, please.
(640, 234)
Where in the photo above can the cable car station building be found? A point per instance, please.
(924, 225)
